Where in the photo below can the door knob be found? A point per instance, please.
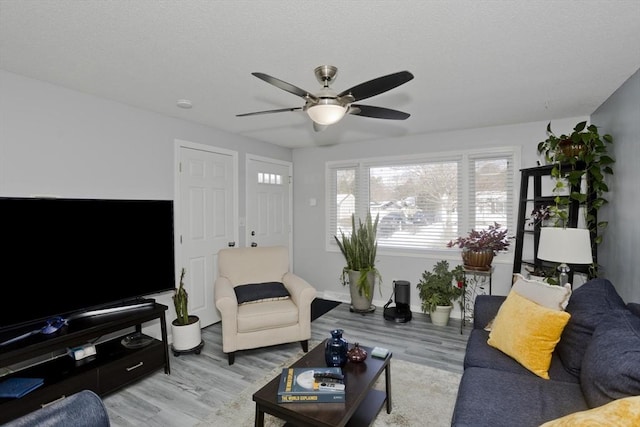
(254, 244)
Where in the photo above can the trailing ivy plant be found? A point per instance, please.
(583, 154)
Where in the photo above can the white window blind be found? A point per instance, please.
(491, 182)
(416, 202)
(344, 192)
(422, 202)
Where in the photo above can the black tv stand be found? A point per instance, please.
(113, 366)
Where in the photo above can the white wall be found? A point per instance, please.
(56, 141)
(620, 249)
(322, 268)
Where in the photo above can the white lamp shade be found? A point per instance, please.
(565, 245)
(326, 112)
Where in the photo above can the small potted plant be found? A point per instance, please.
(480, 246)
(359, 250)
(540, 216)
(438, 289)
(185, 329)
(583, 154)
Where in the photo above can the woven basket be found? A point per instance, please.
(477, 260)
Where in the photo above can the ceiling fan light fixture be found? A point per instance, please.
(327, 112)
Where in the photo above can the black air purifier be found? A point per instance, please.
(401, 312)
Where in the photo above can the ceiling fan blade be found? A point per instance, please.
(377, 86)
(280, 110)
(285, 86)
(377, 112)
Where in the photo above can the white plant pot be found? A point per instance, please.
(186, 337)
(440, 316)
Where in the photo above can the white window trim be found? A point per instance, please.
(464, 155)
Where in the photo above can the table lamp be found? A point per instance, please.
(566, 246)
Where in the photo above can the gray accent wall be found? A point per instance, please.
(619, 253)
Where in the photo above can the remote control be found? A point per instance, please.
(328, 380)
(331, 386)
(328, 375)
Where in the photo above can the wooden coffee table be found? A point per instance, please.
(362, 405)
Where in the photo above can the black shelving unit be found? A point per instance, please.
(533, 196)
(113, 366)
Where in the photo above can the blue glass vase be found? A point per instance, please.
(335, 351)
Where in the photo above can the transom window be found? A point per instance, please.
(425, 201)
(269, 178)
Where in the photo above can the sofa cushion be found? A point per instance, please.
(485, 309)
(611, 364)
(528, 332)
(587, 306)
(487, 397)
(267, 315)
(550, 296)
(259, 292)
(479, 354)
(619, 413)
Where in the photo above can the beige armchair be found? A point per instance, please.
(273, 318)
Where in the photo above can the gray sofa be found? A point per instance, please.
(596, 361)
(82, 409)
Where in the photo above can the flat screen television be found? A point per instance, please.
(65, 256)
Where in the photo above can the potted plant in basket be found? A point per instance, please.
(185, 329)
(480, 246)
(438, 289)
(583, 154)
(359, 250)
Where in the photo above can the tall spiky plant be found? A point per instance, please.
(180, 301)
(359, 250)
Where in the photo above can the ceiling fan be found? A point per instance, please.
(327, 107)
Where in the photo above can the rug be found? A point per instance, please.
(321, 306)
(419, 393)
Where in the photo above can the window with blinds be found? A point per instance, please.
(422, 202)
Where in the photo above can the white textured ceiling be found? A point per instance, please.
(476, 63)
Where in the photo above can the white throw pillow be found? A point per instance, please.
(550, 296)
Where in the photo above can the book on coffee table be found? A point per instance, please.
(299, 385)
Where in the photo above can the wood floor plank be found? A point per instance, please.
(200, 383)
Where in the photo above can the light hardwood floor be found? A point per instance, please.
(200, 383)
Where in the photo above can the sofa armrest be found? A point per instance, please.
(302, 293)
(83, 409)
(485, 309)
(225, 298)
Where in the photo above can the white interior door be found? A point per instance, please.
(268, 202)
(207, 196)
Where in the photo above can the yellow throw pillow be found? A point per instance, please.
(619, 413)
(528, 332)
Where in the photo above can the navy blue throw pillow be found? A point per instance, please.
(255, 292)
(611, 364)
(588, 305)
